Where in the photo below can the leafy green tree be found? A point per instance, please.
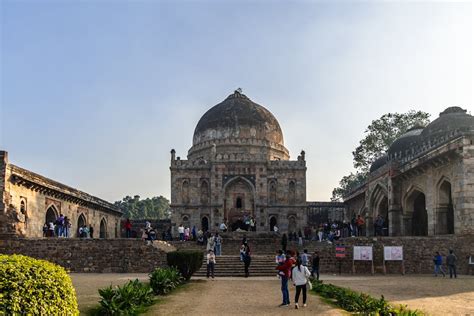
(378, 137)
(157, 207)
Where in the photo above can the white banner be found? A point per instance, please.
(393, 253)
(363, 253)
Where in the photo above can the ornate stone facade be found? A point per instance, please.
(424, 185)
(238, 165)
(28, 200)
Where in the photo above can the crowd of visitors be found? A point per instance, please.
(61, 227)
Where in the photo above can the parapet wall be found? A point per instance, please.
(92, 255)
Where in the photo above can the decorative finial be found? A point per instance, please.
(239, 90)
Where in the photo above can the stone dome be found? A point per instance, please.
(405, 141)
(452, 119)
(238, 117)
(238, 129)
(378, 163)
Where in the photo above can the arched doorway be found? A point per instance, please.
(103, 229)
(81, 221)
(382, 211)
(51, 215)
(420, 215)
(239, 202)
(445, 210)
(205, 223)
(273, 222)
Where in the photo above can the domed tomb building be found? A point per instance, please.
(238, 168)
(424, 184)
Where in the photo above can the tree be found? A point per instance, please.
(157, 207)
(379, 135)
(347, 184)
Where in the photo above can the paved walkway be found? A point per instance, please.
(237, 296)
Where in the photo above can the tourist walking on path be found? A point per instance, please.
(451, 261)
(438, 264)
(284, 242)
(315, 265)
(285, 268)
(300, 275)
(211, 262)
(218, 244)
(247, 260)
(128, 228)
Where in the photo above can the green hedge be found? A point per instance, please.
(186, 261)
(360, 303)
(35, 287)
(164, 280)
(129, 299)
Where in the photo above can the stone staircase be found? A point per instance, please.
(231, 266)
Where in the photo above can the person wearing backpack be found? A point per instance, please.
(300, 276)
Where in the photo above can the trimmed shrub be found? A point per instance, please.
(30, 286)
(186, 261)
(129, 299)
(360, 303)
(164, 280)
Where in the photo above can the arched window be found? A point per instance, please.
(103, 229)
(204, 192)
(291, 192)
(81, 222)
(185, 192)
(272, 192)
(23, 207)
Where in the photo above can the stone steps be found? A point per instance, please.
(231, 266)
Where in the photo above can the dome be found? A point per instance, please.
(450, 120)
(405, 141)
(238, 117)
(378, 163)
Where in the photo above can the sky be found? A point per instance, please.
(95, 94)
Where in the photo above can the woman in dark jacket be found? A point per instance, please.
(284, 242)
(247, 260)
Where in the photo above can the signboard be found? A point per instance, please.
(340, 252)
(393, 253)
(363, 253)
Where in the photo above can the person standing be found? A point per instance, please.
(211, 262)
(218, 244)
(438, 264)
(315, 265)
(300, 238)
(451, 261)
(305, 258)
(247, 260)
(285, 268)
(284, 242)
(300, 275)
(210, 243)
(360, 225)
(128, 228)
(193, 232)
(181, 232)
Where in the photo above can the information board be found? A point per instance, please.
(393, 253)
(363, 253)
(340, 252)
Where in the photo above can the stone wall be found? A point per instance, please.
(92, 255)
(418, 251)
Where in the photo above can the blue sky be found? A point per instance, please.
(96, 93)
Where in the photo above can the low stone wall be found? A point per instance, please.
(92, 255)
(418, 251)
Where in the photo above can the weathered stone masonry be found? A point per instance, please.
(28, 200)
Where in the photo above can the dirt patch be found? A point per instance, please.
(433, 295)
(236, 296)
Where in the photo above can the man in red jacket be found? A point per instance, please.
(285, 275)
